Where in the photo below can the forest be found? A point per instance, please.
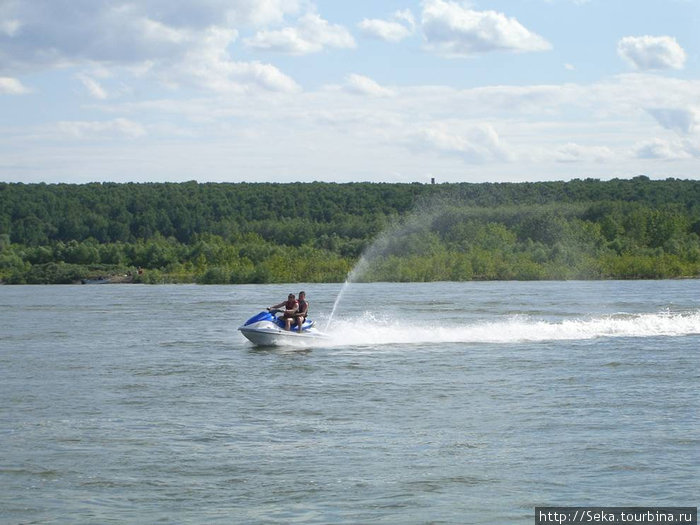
(317, 232)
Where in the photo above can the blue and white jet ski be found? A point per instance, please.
(267, 329)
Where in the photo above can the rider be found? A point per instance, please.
(290, 309)
(302, 311)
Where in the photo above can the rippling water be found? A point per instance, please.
(430, 403)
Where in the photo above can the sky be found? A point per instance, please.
(330, 90)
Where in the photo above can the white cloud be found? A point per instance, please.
(401, 26)
(472, 143)
(453, 30)
(692, 148)
(652, 52)
(93, 86)
(117, 128)
(405, 16)
(384, 30)
(680, 120)
(60, 33)
(362, 85)
(577, 2)
(600, 129)
(263, 75)
(311, 35)
(662, 150)
(209, 65)
(257, 12)
(12, 86)
(10, 27)
(126, 40)
(224, 13)
(176, 42)
(573, 152)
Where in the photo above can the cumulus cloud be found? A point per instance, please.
(681, 120)
(454, 30)
(175, 42)
(573, 152)
(473, 144)
(661, 149)
(263, 75)
(651, 52)
(402, 25)
(12, 86)
(362, 85)
(241, 12)
(209, 65)
(60, 33)
(311, 35)
(405, 16)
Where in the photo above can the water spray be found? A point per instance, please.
(385, 244)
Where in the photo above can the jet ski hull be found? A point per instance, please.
(265, 329)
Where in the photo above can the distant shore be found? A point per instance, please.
(318, 232)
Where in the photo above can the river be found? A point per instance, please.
(444, 403)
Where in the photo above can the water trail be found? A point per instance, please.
(369, 330)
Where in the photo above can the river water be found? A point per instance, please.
(430, 403)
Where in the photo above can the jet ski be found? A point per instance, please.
(267, 329)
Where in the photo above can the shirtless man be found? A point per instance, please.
(302, 311)
(290, 309)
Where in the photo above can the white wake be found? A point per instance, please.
(367, 330)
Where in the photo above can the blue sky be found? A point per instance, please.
(304, 90)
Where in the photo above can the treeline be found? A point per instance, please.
(616, 240)
(316, 232)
